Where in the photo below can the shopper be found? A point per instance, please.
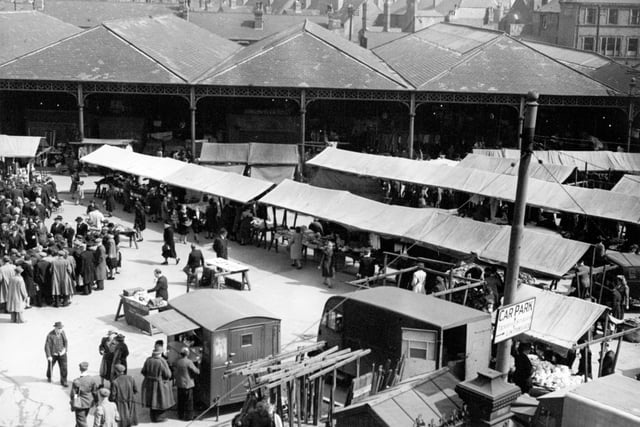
(55, 348)
(84, 394)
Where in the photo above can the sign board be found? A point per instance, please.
(514, 319)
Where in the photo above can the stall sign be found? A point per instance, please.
(362, 386)
(514, 319)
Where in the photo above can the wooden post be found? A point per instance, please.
(604, 275)
(290, 402)
(384, 279)
(603, 345)
(615, 358)
(332, 396)
(593, 260)
(299, 409)
(517, 228)
(320, 396)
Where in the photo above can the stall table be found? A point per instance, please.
(224, 267)
(135, 313)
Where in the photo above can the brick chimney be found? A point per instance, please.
(333, 18)
(386, 16)
(258, 21)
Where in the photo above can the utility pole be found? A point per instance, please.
(517, 227)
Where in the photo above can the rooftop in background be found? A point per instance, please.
(305, 55)
(597, 66)
(457, 58)
(88, 14)
(165, 49)
(552, 7)
(239, 27)
(18, 39)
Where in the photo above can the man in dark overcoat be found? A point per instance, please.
(157, 393)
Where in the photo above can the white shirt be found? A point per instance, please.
(417, 284)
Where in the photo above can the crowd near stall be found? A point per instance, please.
(424, 235)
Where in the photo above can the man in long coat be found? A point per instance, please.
(157, 393)
(16, 296)
(100, 261)
(6, 271)
(42, 277)
(61, 279)
(83, 395)
(87, 269)
(123, 394)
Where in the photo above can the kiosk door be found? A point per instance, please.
(245, 344)
(419, 348)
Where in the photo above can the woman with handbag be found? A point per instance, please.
(169, 245)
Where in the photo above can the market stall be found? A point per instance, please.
(89, 145)
(214, 268)
(542, 253)
(629, 263)
(229, 328)
(136, 306)
(542, 194)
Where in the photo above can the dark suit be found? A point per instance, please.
(85, 388)
(82, 228)
(57, 228)
(184, 370)
(196, 259)
(220, 247)
(367, 266)
(161, 289)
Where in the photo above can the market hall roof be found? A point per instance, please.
(455, 58)
(24, 32)
(160, 50)
(306, 56)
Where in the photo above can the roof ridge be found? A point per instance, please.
(142, 52)
(399, 80)
(33, 52)
(474, 52)
(223, 67)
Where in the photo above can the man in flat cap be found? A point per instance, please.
(55, 347)
(84, 394)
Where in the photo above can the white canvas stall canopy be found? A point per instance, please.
(542, 194)
(98, 141)
(594, 161)
(223, 184)
(224, 153)
(174, 172)
(429, 227)
(19, 146)
(559, 320)
(237, 169)
(552, 173)
(152, 167)
(628, 184)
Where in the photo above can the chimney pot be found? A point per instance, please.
(387, 16)
(258, 21)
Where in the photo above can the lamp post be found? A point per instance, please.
(632, 86)
(350, 13)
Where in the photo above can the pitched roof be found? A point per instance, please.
(488, 62)
(305, 55)
(162, 50)
(185, 49)
(239, 26)
(552, 7)
(596, 66)
(23, 32)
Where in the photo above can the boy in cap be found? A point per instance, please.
(55, 347)
(83, 395)
(107, 414)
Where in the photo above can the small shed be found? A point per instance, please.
(394, 323)
(430, 396)
(228, 328)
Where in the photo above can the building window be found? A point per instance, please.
(588, 43)
(632, 47)
(612, 16)
(545, 22)
(634, 17)
(590, 15)
(610, 46)
(247, 340)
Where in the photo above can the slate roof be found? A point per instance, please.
(305, 55)
(239, 26)
(487, 62)
(18, 38)
(163, 50)
(598, 67)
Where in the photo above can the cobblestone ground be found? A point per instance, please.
(297, 296)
